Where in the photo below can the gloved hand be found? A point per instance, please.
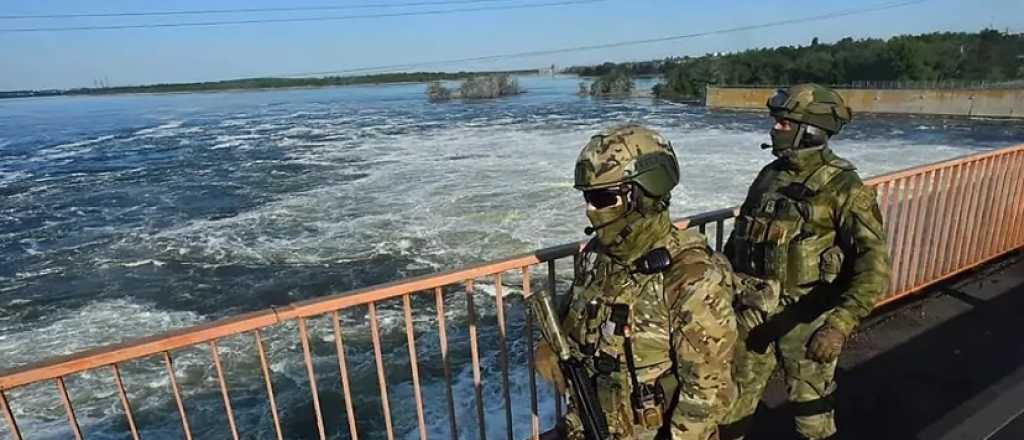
(826, 344)
(546, 363)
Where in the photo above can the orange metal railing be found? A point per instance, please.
(941, 219)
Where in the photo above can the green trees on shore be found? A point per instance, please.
(988, 55)
(266, 83)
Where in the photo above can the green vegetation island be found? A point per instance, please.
(266, 83)
(937, 60)
(475, 87)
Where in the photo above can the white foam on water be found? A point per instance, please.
(165, 129)
(81, 143)
(70, 331)
(8, 177)
(70, 149)
(97, 323)
(228, 144)
(472, 192)
(146, 262)
(302, 131)
(38, 273)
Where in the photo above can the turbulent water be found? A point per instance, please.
(124, 216)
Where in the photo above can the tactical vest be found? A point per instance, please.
(786, 232)
(607, 294)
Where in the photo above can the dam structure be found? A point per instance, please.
(994, 102)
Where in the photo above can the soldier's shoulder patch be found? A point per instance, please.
(865, 199)
(692, 270)
(843, 164)
(845, 183)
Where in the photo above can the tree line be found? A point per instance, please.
(263, 83)
(988, 55)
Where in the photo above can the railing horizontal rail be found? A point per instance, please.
(942, 219)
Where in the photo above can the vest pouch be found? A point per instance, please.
(776, 247)
(831, 264)
(750, 247)
(805, 260)
(741, 243)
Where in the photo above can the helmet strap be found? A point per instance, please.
(800, 131)
(813, 136)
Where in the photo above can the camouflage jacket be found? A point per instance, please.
(682, 329)
(809, 223)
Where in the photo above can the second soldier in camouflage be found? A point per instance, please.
(811, 229)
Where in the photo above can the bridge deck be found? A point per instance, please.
(948, 365)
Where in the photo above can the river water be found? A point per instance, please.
(124, 216)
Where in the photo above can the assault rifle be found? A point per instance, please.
(581, 387)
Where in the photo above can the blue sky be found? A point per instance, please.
(124, 57)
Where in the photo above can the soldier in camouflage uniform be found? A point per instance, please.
(812, 229)
(650, 311)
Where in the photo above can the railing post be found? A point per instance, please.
(123, 395)
(12, 424)
(1003, 240)
(1015, 230)
(534, 407)
(942, 214)
(885, 190)
(382, 382)
(963, 250)
(719, 235)
(980, 211)
(223, 389)
(169, 364)
(410, 339)
(442, 334)
(997, 220)
(64, 397)
(503, 347)
(307, 355)
(474, 353)
(923, 201)
(269, 384)
(899, 239)
(554, 295)
(957, 216)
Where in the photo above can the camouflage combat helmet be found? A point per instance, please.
(811, 104)
(629, 154)
(626, 175)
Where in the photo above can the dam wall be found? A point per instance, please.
(998, 103)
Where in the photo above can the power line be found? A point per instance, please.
(294, 20)
(830, 15)
(248, 10)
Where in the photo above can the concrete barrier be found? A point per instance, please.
(1001, 103)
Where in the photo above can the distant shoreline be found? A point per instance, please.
(258, 84)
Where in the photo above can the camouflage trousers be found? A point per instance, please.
(810, 385)
(571, 429)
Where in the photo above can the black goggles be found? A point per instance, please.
(605, 197)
